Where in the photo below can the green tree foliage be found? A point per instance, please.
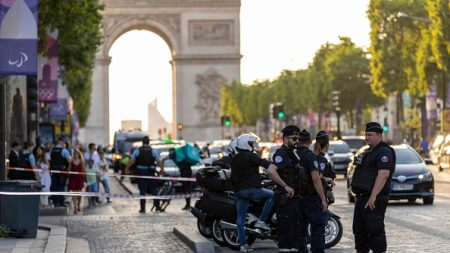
(78, 23)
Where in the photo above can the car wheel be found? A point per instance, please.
(428, 200)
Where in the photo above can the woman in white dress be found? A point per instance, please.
(43, 164)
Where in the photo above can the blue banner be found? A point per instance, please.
(18, 37)
(59, 110)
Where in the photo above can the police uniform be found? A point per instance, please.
(145, 158)
(310, 208)
(368, 225)
(58, 161)
(326, 169)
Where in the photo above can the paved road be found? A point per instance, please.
(119, 228)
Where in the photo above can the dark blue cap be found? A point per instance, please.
(290, 130)
(374, 127)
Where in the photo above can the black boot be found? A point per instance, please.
(188, 204)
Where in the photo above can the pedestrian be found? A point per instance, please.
(246, 182)
(104, 180)
(146, 160)
(29, 161)
(43, 164)
(371, 183)
(285, 173)
(423, 148)
(92, 179)
(313, 203)
(326, 169)
(14, 161)
(76, 181)
(60, 160)
(185, 171)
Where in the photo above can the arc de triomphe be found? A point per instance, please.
(203, 36)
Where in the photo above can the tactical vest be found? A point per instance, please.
(57, 161)
(366, 172)
(306, 184)
(290, 175)
(145, 157)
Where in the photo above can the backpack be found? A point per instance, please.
(187, 154)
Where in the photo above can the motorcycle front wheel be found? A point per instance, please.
(333, 232)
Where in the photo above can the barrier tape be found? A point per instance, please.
(67, 172)
(108, 195)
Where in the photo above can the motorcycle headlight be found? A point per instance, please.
(425, 177)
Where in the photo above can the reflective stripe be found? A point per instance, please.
(284, 250)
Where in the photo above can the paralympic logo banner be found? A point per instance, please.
(18, 37)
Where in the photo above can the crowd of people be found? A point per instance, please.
(90, 166)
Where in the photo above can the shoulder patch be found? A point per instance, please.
(316, 164)
(278, 159)
(322, 166)
(384, 159)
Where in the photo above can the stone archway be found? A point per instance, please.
(204, 38)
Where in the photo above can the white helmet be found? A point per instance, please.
(246, 141)
(231, 148)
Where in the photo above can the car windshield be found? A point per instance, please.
(355, 143)
(339, 147)
(406, 156)
(126, 146)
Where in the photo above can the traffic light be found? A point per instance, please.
(225, 120)
(386, 126)
(32, 95)
(278, 111)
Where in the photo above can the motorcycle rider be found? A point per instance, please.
(313, 204)
(285, 173)
(225, 161)
(246, 182)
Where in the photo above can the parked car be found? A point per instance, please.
(341, 155)
(411, 180)
(172, 170)
(355, 142)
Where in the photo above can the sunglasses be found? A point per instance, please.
(294, 138)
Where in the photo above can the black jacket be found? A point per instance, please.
(245, 170)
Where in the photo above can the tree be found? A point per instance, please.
(78, 23)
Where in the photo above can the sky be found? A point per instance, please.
(275, 35)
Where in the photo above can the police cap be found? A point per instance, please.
(145, 140)
(305, 135)
(290, 130)
(322, 135)
(374, 127)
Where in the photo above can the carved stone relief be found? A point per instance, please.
(211, 32)
(208, 95)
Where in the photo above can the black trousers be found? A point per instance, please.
(186, 171)
(146, 185)
(58, 185)
(288, 225)
(311, 214)
(368, 225)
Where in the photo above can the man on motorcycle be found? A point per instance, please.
(285, 173)
(225, 161)
(246, 182)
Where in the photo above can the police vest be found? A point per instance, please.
(290, 174)
(306, 184)
(57, 161)
(145, 157)
(366, 172)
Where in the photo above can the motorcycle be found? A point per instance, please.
(216, 216)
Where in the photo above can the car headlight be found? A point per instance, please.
(425, 177)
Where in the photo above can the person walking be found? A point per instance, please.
(104, 180)
(146, 160)
(313, 203)
(247, 185)
(92, 178)
(43, 164)
(285, 173)
(371, 183)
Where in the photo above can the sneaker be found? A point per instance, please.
(245, 248)
(262, 225)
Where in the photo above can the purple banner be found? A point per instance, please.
(48, 72)
(18, 37)
(58, 111)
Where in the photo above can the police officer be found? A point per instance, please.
(326, 169)
(371, 183)
(313, 204)
(59, 160)
(146, 160)
(284, 172)
(29, 161)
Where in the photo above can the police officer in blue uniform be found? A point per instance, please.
(59, 160)
(313, 203)
(371, 183)
(146, 160)
(326, 169)
(285, 173)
